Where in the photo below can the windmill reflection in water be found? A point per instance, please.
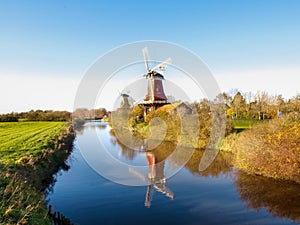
(156, 179)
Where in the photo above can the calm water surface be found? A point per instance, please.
(218, 195)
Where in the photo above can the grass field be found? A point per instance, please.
(26, 138)
(242, 124)
(21, 182)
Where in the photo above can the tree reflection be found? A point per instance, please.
(220, 165)
(91, 124)
(156, 163)
(281, 198)
(125, 151)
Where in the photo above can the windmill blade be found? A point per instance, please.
(164, 190)
(148, 196)
(163, 64)
(145, 53)
(137, 174)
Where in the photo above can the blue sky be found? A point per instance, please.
(57, 41)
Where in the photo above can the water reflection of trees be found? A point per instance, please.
(97, 125)
(128, 153)
(220, 165)
(280, 198)
(79, 130)
(92, 125)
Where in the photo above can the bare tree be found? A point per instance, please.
(262, 101)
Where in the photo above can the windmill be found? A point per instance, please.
(125, 101)
(155, 96)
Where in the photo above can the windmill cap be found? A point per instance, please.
(156, 75)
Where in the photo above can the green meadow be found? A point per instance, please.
(18, 139)
(30, 152)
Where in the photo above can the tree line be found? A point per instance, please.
(54, 115)
(83, 113)
(36, 115)
(9, 117)
(258, 106)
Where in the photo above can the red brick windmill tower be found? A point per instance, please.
(155, 96)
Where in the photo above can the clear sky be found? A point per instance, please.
(46, 46)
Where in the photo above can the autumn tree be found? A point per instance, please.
(261, 103)
(238, 104)
(100, 113)
(295, 103)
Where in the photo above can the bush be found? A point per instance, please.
(228, 142)
(271, 149)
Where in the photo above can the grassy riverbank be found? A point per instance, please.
(270, 149)
(31, 152)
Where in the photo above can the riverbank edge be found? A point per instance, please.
(262, 149)
(28, 184)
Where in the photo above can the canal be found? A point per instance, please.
(218, 195)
